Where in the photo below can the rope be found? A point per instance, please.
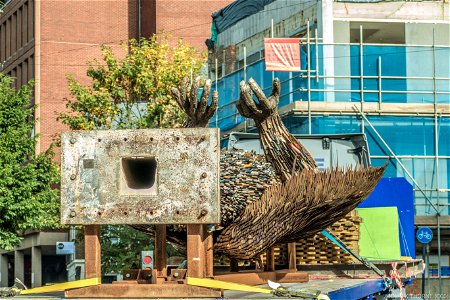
(395, 278)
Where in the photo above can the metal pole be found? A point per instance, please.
(395, 157)
(317, 56)
(291, 88)
(271, 35)
(245, 63)
(245, 79)
(72, 237)
(217, 109)
(308, 71)
(217, 72)
(428, 270)
(425, 270)
(436, 149)
(224, 62)
(379, 84)
(271, 29)
(361, 73)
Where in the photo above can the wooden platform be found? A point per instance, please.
(336, 289)
(258, 278)
(119, 291)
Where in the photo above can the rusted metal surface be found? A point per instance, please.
(150, 176)
(133, 291)
(92, 252)
(196, 251)
(257, 278)
(160, 251)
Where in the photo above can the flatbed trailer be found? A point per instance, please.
(335, 289)
(348, 281)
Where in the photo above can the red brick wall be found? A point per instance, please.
(72, 30)
(190, 19)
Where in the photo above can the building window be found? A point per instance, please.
(378, 33)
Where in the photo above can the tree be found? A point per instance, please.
(29, 198)
(122, 246)
(133, 90)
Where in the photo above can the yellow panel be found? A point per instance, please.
(63, 286)
(217, 284)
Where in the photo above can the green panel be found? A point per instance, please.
(379, 237)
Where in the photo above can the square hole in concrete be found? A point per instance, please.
(138, 175)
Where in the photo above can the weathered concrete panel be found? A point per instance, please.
(149, 176)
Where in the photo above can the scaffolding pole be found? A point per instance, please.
(316, 40)
(395, 157)
(217, 109)
(361, 74)
(245, 79)
(436, 152)
(380, 99)
(271, 35)
(308, 72)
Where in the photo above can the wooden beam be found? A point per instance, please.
(160, 251)
(270, 259)
(292, 256)
(209, 254)
(234, 265)
(195, 251)
(92, 251)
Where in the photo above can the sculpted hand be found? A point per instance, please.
(265, 108)
(281, 148)
(198, 112)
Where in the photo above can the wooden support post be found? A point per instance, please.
(292, 256)
(92, 251)
(209, 254)
(195, 251)
(234, 265)
(270, 259)
(160, 251)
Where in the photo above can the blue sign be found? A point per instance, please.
(64, 248)
(424, 235)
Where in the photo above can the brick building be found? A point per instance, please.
(45, 40)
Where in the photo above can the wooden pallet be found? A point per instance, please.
(317, 249)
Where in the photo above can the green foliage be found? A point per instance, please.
(132, 89)
(121, 248)
(28, 197)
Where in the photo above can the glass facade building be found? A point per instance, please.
(403, 92)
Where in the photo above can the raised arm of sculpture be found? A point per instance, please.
(234, 197)
(306, 202)
(198, 112)
(280, 147)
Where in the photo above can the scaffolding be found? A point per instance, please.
(399, 95)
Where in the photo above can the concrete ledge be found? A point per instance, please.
(431, 220)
